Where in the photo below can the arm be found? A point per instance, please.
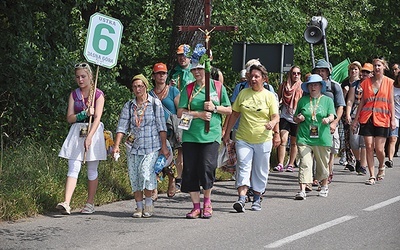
(230, 120)
(210, 107)
(96, 120)
(349, 104)
(335, 122)
(117, 142)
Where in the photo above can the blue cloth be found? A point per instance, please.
(168, 101)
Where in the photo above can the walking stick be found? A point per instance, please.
(91, 105)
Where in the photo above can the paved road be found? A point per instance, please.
(353, 216)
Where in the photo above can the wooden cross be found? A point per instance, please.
(207, 28)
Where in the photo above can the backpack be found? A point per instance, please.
(217, 84)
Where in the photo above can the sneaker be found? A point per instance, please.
(363, 170)
(138, 213)
(300, 195)
(249, 194)
(350, 167)
(343, 161)
(324, 192)
(148, 211)
(289, 168)
(64, 208)
(358, 166)
(256, 206)
(88, 209)
(389, 163)
(239, 206)
(279, 168)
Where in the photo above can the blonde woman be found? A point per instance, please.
(83, 143)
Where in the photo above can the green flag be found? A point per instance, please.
(340, 71)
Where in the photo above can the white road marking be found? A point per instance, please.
(382, 204)
(310, 231)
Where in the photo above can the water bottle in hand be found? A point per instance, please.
(160, 164)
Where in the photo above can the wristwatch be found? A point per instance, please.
(215, 109)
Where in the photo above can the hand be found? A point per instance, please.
(276, 140)
(270, 125)
(300, 117)
(209, 106)
(165, 152)
(88, 142)
(90, 111)
(172, 82)
(326, 120)
(333, 126)
(205, 115)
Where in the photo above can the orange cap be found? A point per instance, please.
(367, 67)
(160, 67)
(183, 49)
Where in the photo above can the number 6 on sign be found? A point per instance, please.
(103, 40)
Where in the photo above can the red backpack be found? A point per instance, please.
(217, 84)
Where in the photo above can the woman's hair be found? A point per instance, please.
(381, 60)
(261, 68)
(86, 67)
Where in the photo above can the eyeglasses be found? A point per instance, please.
(365, 72)
(296, 73)
(81, 65)
(138, 86)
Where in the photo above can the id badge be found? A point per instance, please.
(314, 132)
(186, 121)
(83, 132)
(130, 139)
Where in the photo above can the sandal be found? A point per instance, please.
(381, 174)
(207, 211)
(171, 186)
(194, 214)
(330, 178)
(370, 181)
(88, 209)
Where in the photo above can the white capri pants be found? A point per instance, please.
(74, 167)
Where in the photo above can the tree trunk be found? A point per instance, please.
(186, 12)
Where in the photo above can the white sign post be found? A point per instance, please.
(103, 40)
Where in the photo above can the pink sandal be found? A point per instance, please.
(207, 211)
(194, 214)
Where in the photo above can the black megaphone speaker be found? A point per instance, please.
(313, 35)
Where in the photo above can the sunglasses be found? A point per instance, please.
(296, 73)
(81, 65)
(366, 71)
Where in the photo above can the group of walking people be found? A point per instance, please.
(306, 112)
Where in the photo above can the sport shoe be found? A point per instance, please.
(256, 206)
(239, 206)
(363, 170)
(350, 167)
(148, 211)
(279, 168)
(138, 213)
(64, 208)
(343, 161)
(324, 192)
(88, 209)
(358, 166)
(289, 168)
(389, 163)
(300, 195)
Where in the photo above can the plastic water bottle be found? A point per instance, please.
(160, 164)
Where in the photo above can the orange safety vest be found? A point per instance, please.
(377, 106)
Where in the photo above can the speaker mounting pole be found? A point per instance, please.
(315, 34)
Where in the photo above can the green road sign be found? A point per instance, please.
(103, 40)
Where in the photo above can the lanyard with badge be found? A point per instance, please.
(314, 128)
(186, 119)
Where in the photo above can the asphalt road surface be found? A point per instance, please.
(353, 216)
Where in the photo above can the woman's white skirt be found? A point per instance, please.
(73, 146)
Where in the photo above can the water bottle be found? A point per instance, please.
(160, 164)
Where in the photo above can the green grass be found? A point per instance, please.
(33, 177)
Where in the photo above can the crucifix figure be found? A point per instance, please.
(206, 29)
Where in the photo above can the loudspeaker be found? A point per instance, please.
(313, 35)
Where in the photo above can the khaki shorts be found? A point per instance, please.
(335, 142)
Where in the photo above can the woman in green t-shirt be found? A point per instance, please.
(200, 148)
(313, 115)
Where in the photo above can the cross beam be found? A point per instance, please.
(207, 28)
